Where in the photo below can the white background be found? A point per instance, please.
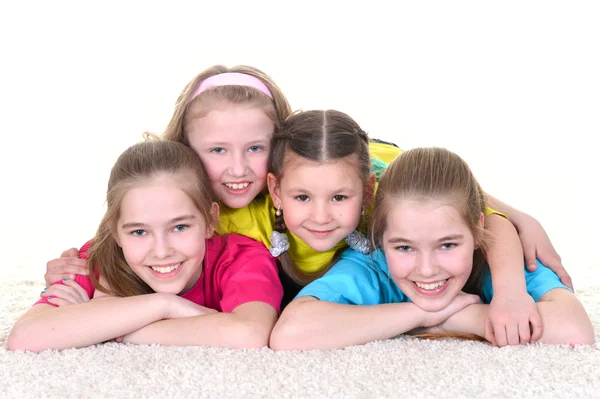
(511, 86)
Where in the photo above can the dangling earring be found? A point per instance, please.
(278, 211)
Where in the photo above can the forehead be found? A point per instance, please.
(424, 217)
(232, 122)
(335, 172)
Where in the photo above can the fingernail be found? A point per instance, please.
(50, 298)
(72, 276)
(65, 278)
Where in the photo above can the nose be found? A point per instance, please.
(162, 247)
(321, 213)
(426, 265)
(238, 165)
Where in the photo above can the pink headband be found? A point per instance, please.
(233, 79)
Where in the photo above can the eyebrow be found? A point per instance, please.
(451, 237)
(171, 221)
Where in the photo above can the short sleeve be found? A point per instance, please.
(249, 274)
(355, 279)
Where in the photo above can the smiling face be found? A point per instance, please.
(163, 234)
(429, 251)
(321, 201)
(233, 142)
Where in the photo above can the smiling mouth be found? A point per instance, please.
(320, 233)
(166, 269)
(236, 186)
(431, 287)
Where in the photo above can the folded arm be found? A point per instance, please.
(247, 326)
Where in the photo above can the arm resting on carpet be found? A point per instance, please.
(47, 327)
(308, 323)
(248, 326)
(565, 320)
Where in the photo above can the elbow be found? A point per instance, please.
(18, 339)
(289, 335)
(251, 335)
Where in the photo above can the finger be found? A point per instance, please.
(70, 268)
(83, 295)
(58, 302)
(524, 331)
(63, 292)
(566, 279)
(537, 327)
(62, 262)
(500, 335)
(512, 334)
(530, 259)
(70, 253)
(489, 332)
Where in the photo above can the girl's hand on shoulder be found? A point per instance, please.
(461, 301)
(179, 307)
(512, 319)
(536, 245)
(65, 294)
(66, 266)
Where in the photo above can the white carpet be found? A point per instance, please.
(401, 367)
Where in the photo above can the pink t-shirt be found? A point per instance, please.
(236, 270)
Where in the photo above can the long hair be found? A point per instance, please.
(139, 164)
(321, 136)
(188, 108)
(434, 173)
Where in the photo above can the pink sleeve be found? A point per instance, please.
(84, 281)
(251, 275)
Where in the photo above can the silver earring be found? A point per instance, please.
(278, 211)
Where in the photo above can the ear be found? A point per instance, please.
(214, 213)
(274, 190)
(369, 191)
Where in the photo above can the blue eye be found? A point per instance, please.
(181, 227)
(303, 198)
(218, 150)
(448, 245)
(138, 233)
(255, 148)
(404, 248)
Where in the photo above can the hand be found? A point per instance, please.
(180, 307)
(65, 294)
(536, 244)
(461, 301)
(67, 266)
(512, 319)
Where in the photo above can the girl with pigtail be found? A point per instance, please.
(228, 116)
(428, 274)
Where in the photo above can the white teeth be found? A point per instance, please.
(431, 286)
(166, 269)
(235, 186)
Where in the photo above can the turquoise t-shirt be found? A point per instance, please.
(358, 279)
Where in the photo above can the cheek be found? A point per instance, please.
(260, 166)
(213, 169)
(400, 266)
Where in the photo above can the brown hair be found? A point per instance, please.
(188, 108)
(321, 136)
(137, 165)
(434, 173)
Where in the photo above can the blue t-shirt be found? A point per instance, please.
(358, 279)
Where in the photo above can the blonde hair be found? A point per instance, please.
(137, 165)
(321, 136)
(189, 107)
(433, 174)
